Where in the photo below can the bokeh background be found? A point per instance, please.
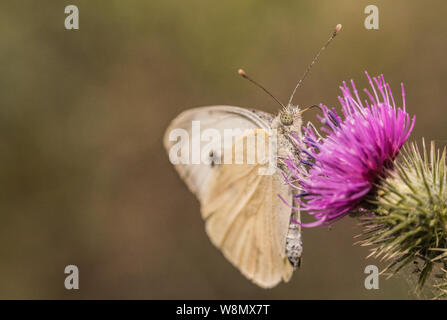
(84, 178)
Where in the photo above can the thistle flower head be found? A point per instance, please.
(345, 164)
(409, 220)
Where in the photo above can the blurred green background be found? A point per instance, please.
(85, 179)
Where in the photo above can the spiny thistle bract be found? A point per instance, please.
(409, 215)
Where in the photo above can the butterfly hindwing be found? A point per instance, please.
(246, 219)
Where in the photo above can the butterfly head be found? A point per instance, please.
(286, 118)
(290, 118)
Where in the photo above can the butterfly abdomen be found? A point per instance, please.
(294, 245)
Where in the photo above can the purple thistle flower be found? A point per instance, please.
(345, 165)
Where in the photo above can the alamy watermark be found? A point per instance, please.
(72, 20)
(72, 280)
(234, 146)
(372, 280)
(372, 20)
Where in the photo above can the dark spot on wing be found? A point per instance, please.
(213, 158)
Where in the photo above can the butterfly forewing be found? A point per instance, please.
(215, 117)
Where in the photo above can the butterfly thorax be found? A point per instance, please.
(288, 123)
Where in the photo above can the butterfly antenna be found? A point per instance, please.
(337, 29)
(244, 75)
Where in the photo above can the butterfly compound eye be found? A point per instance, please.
(286, 119)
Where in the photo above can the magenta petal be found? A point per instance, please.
(355, 151)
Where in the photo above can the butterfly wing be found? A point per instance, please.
(244, 217)
(248, 222)
(196, 176)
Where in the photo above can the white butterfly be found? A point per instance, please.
(244, 217)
